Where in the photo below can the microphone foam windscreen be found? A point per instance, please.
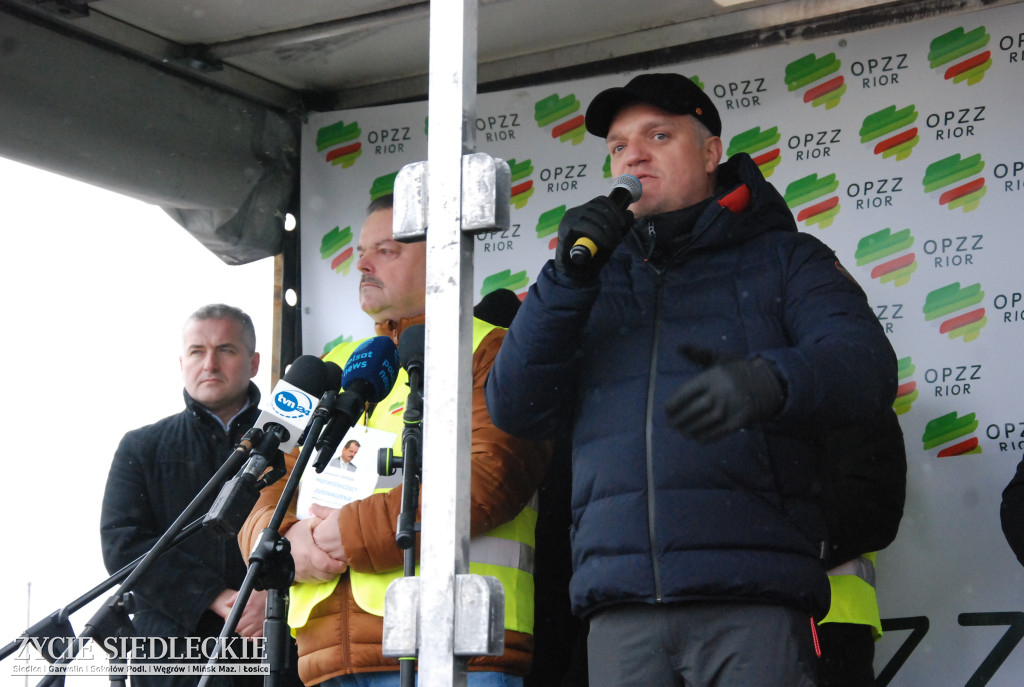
(411, 344)
(374, 361)
(310, 374)
(333, 375)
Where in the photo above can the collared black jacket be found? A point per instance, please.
(156, 472)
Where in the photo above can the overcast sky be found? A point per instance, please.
(96, 288)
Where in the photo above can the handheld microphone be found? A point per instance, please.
(626, 190)
(295, 397)
(368, 377)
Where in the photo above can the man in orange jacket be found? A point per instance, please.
(337, 550)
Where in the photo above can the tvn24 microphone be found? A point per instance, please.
(295, 397)
(368, 377)
(626, 190)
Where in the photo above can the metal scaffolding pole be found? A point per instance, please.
(448, 614)
(448, 376)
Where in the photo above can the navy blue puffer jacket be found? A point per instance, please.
(658, 517)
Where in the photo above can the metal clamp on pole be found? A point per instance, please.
(479, 617)
(401, 618)
(486, 189)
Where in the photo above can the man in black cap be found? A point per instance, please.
(694, 356)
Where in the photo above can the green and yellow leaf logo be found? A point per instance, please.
(810, 189)
(892, 126)
(890, 253)
(810, 69)
(951, 47)
(953, 298)
(338, 140)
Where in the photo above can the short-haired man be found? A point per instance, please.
(694, 357)
(345, 557)
(156, 472)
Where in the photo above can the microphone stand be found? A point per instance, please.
(411, 464)
(56, 626)
(112, 619)
(271, 566)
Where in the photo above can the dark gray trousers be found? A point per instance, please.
(702, 644)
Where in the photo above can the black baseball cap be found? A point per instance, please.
(670, 92)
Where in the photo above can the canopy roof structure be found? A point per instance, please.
(195, 105)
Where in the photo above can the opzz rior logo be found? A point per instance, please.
(809, 192)
(906, 392)
(547, 225)
(962, 51)
(522, 185)
(335, 245)
(339, 140)
(949, 432)
(828, 87)
(555, 108)
(958, 180)
(959, 302)
(762, 146)
(889, 255)
(893, 127)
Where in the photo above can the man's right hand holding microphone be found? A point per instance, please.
(589, 233)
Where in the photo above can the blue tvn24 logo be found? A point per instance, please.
(292, 405)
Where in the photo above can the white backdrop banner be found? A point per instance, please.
(899, 147)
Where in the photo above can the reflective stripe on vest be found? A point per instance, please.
(853, 594)
(505, 552)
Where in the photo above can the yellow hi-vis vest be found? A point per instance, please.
(853, 594)
(506, 552)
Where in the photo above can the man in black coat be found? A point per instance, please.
(693, 345)
(157, 471)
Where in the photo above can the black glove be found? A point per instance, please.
(601, 221)
(730, 395)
